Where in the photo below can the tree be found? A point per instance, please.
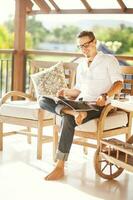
(64, 34)
(122, 34)
(69, 33)
(6, 38)
(34, 28)
(37, 30)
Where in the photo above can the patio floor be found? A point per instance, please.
(21, 175)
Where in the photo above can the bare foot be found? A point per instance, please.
(56, 174)
(79, 117)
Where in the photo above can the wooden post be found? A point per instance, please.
(19, 46)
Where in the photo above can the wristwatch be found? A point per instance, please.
(105, 95)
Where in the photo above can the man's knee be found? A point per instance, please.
(47, 104)
(42, 102)
(68, 120)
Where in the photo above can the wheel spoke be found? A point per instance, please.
(103, 161)
(117, 167)
(104, 167)
(110, 168)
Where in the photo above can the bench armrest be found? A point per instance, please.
(105, 112)
(101, 121)
(17, 94)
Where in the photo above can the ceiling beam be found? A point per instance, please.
(87, 6)
(54, 5)
(84, 11)
(29, 6)
(122, 5)
(43, 5)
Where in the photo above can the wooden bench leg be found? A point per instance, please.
(40, 135)
(1, 136)
(39, 144)
(29, 135)
(55, 141)
(85, 150)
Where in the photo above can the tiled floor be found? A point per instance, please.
(21, 175)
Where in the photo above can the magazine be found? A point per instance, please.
(76, 105)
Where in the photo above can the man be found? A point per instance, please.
(97, 79)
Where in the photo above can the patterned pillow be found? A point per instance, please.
(49, 81)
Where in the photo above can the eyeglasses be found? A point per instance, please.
(85, 45)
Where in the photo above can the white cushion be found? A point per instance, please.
(23, 109)
(114, 120)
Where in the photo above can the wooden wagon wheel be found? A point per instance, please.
(104, 168)
(130, 140)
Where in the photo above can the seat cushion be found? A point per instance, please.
(23, 109)
(114, 120)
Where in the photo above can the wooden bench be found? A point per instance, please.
(94, 129)
(109, 124)
(27, 113)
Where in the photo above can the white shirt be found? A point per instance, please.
(98, 78)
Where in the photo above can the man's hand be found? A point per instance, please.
(101, 101)
(68, 93)
(61, 92)
(64, 92)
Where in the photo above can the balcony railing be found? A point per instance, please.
(47, 56)
(62, 56)
(6, 64)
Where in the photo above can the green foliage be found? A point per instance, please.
(10, 25)
(113, 46)
(29, 41)
(122, 34)
(119, 39)
(37, 30)
(65, 34)
(6, 38)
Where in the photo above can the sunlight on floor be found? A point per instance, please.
(21, 181)
(22, 175)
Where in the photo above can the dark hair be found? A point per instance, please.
(90, 34)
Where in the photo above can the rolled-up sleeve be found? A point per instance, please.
(59, 108)
(114, 70)
(78, 78)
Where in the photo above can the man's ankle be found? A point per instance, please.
(60, 164)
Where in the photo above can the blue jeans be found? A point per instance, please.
(67, 125)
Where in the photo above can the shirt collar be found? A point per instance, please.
(97, 57)
(95, 60)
